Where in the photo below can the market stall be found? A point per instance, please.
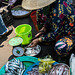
(42, 59)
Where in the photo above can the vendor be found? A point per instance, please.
(56, 16)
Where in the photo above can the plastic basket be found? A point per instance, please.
(27, 60)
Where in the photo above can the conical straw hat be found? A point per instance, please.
(35, 4)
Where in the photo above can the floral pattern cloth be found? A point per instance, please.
(64, 46)
(58, 18)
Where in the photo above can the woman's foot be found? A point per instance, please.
(9, 29)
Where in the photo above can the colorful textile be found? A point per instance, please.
(58, 18)
(64, 46)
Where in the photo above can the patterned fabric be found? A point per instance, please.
(64, 46)
(58, 18)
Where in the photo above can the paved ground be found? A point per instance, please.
(5, 49)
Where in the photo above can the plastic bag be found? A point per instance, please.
(45, 64)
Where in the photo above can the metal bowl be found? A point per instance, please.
(32, 51)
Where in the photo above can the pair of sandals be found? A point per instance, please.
(9, 30)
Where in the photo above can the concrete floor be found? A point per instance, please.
(5, 49)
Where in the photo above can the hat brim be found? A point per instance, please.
(36, 4)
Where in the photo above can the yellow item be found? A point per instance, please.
(45, 65)
(24, 31)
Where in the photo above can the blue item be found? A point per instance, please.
(54, 63)
(30, 68)
(3, 28)
(27, 61)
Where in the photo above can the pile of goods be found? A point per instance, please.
(59, 69)
(14, 67)
(45, 64)
(18, 11)
(32, 51)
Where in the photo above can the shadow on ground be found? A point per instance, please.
(1, 40)
(11, 57)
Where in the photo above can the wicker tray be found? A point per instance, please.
(19, 7)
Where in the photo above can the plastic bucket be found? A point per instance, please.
(24, 31)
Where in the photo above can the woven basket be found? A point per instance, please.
(21, 16)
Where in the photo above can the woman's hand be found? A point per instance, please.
(34, 42)
(43, 29)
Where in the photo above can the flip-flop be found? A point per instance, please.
(10, 29)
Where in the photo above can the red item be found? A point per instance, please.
(65, 4)
(71, 24)
(57, 38)
(33, 17)
(61, 16)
